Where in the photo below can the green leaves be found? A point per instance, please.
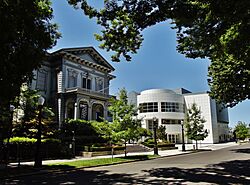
(242, 131)
(194, 124)
(217, 30)
(125, 125)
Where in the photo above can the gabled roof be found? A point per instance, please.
(73, 53)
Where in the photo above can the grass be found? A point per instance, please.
(99, 162)
(26, 169)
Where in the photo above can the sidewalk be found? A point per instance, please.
(163, 153)
(216, 146)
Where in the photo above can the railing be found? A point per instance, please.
(88, 91)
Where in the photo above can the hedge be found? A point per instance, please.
(31, 140)
(24, 148)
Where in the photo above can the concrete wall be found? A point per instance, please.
(161, 95)
(216, 119)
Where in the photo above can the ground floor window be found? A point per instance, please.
(174, 138)
(83, 106)
(150, 124)
(97, 112)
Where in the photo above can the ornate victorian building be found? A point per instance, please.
(75, 82)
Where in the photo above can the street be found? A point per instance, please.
(225, 166)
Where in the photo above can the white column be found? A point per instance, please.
(75, 111)
(59, 101)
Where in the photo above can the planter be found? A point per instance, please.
(168, 148)
(100, 153)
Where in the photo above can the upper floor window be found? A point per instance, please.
(148, 107)
(99, 84)
(72, 78)
(172, 107)
(41, 80)
(170, 121)
(86, 83)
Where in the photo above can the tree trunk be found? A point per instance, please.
(125, 150)
(196, 142)
(4, 131)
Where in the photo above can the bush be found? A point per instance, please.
(21, 140)
(150, 143)
(24, 148)
(84, 133)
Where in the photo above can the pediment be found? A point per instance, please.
(87, 57)
(89, 54)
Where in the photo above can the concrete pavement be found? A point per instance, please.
(163, 153)
(227, 164)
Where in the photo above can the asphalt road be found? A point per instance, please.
(225, 166)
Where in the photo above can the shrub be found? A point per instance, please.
(150, 143)
(24, 148)
(84, 133)
(21, 140)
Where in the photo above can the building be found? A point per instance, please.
(169, 107)
(75, 82)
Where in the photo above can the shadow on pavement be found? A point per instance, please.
(231, 172)
(242, 150)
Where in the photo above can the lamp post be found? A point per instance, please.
(73, 144)
(38, 158)
(182, 134)
(155, 137)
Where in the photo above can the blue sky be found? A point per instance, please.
(156, 65)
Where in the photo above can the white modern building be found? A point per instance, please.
(169, 107)
(75, 83)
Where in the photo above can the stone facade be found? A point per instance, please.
(75, 82)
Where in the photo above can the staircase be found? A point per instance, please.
(132, 148)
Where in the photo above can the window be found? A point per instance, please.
(172, 107)
(83, 111)
(41, 80)
(170, 121)
(148, 107)
(174, 138)
(150, 125)
(72, 78)
(99, 84)
(72, 81)
(86, 83)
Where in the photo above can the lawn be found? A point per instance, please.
(27, 169)
(99, 162)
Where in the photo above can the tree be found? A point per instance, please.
(125, 125)
(218, 30)
(26, 118)
(27, 103)
(194, 125)
(161, 133)
(241, 130)
(26, 34)
(105, 129)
